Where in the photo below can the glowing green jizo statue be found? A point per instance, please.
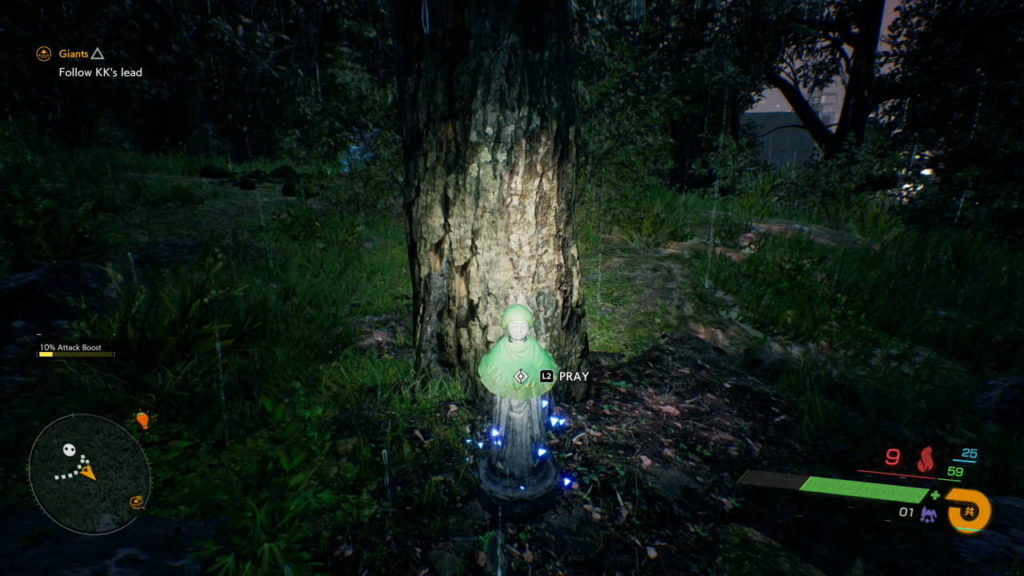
(512, 368)
(517, 466)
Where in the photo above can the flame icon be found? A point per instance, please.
(926, 464)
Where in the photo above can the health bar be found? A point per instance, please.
(76, 354)
(836, 487)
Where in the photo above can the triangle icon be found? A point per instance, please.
(97, 55)
(88, 473)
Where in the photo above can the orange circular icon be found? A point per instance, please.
(136, 502)
(973, 512)
(43, 54)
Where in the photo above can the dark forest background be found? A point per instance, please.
(231, 223)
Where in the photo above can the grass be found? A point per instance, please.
(893, 329)
(245, 355)
(897, 337)
(952, 291)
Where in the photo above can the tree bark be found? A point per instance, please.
(857, 103)
(859, 99)
(489, 133)
(803, 109)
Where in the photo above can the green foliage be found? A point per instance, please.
(242, 359)
(172, 335)
(831, 192)
(652, 217)
(896, 334)
(230, 78)
(45, 217)
(955, 66)
(371, 186)
(952, 291)
(272, 531)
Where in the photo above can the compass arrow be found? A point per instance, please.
(88, 473)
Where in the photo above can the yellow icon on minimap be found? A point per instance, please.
(136, 502)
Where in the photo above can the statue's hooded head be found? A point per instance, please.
(516, 312)
(517, 321)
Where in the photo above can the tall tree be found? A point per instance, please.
(655, 69)
(489, 133)
(957, 68)
(837, 39)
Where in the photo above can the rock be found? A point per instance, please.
(1001, 543)
(38, 298)
(12, 352)
(445, 563)
(470, 519)
(1003, 401)
(149, 547)
(763, 363)
(214, 172)
(675, 486)
(749, 552)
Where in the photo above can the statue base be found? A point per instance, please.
(518, 499)
(519, 511)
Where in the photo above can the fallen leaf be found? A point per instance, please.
(645, 462)
(419, 435)
(481, 558)
(670, 410)
(669, 453)
(595, 512)
(651, 552)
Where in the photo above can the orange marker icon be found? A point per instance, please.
(143, 419)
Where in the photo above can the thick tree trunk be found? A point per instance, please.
(489, 133)
(857, 104)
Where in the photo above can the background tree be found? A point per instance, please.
(671, 74)
(489, 133)
(957, 73)
(299, 74)
(826, 41)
